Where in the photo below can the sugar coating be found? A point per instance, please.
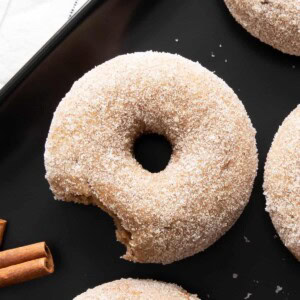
(282, 182)
(274, 22)
(136, 289)
(166, 216)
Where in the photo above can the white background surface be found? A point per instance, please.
(25, 26)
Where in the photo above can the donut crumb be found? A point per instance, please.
(246, 239)
(278, 289)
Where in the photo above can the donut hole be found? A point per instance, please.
(153, 151)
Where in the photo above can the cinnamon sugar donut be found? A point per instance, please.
(282, 182)
(274, 22)
(166, 216)
(136, 289)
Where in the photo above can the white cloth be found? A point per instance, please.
(25, 26)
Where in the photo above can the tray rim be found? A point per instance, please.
(47, 48)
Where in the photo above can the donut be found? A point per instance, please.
(282, 182)
(136, 289)
(169, 215)
(274, 22)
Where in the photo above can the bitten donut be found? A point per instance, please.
(166, 216)
(136, 289)
(282, 182)
(274, 22)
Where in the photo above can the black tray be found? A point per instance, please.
(82, 238)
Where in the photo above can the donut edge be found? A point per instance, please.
(123, 283)
(274, 215)
(269, 37)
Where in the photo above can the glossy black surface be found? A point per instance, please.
(82, 238)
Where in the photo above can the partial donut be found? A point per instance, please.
(166, 216)
(282, 182)
(136, 289)
(274, 22)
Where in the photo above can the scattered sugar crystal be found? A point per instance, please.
(246, 239)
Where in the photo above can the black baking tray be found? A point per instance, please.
(82, 238)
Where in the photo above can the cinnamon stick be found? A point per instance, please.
(22, 254)
(26, 271)
(25, 263)
(2, 229)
